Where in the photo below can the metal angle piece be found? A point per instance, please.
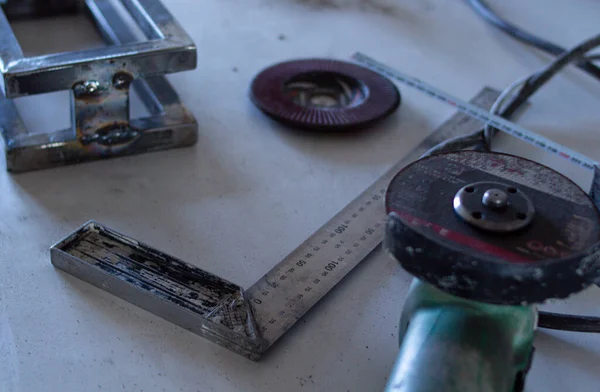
(179, 292)
(100, 81)
(245, 321)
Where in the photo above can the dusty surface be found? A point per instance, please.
(250, 191)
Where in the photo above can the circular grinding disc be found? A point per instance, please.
(325, 95)
(554, 254)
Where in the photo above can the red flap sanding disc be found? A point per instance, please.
(324, 95)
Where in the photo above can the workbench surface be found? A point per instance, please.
(251, 190)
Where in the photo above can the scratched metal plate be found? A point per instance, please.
(170, 288)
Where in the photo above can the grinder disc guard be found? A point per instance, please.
(493, 227)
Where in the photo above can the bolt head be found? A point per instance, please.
(122, 80)
(495, 198)
(86, 88)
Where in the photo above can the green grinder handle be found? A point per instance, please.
(451, 344)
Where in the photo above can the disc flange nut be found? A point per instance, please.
(494, 207)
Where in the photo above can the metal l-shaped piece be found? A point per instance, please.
(186, 295)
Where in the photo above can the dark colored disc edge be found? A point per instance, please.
(490, 279)
(481, 278)
(352, 125)
(435, 238)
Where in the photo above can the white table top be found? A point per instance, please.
(250, 191)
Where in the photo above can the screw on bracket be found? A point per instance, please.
(122, 80)
(87, 88)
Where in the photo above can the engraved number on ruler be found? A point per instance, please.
(315, 271)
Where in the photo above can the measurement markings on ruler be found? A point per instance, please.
(300, 280)
(476, 112)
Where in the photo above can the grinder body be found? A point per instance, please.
(487, 236)
(456, 345)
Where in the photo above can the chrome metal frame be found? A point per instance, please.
(99, 80)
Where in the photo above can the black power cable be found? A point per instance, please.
(526, 88)
(566, 322)
(532, 84)
(492, 18)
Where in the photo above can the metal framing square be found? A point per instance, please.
(99, 80)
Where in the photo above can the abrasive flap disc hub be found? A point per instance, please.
(493, 227)
(324, 94)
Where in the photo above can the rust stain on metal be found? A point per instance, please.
(100, 80)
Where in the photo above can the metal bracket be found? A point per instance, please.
(100, 81)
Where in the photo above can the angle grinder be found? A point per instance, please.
(487, 236)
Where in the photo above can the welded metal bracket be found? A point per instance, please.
(99, 81)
